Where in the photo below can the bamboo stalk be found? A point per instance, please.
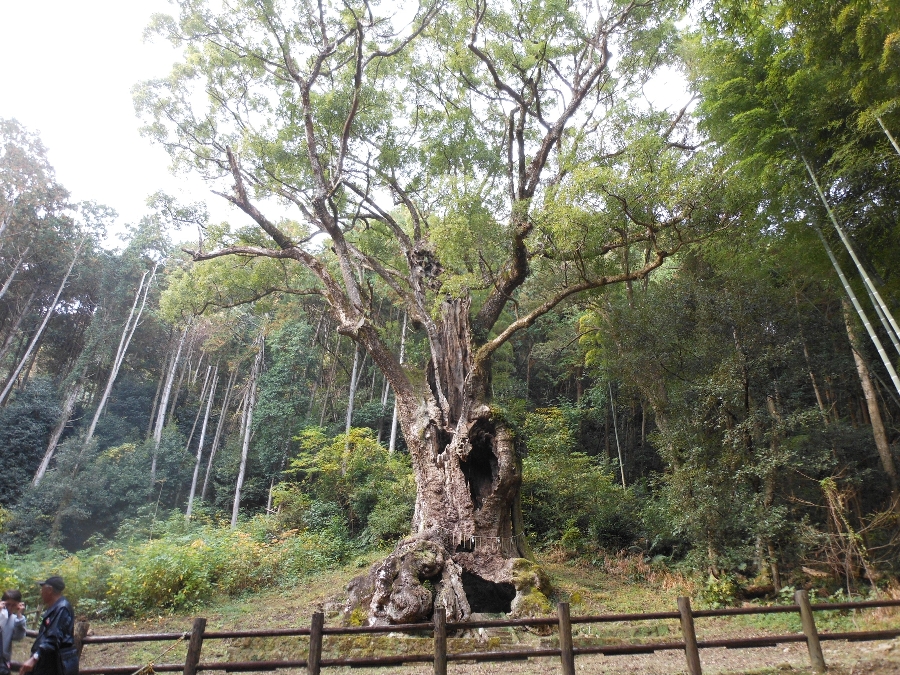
(40, 331)
(859, 310)
(212, 394)
(890, 324)
(247, 424)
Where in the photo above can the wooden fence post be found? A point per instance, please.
(313, 661)
(440, 641)
(817, 659)
(566, 653)
(194, 646)
(81, 630)
(691, 651)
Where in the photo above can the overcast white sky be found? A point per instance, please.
(66, 70)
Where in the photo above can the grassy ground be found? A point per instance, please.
(615, 585)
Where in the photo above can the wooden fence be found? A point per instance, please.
(440, 656)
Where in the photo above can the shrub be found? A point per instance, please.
(371, 489)
(570, 498)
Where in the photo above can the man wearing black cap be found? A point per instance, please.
(54, 649)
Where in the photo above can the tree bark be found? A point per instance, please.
(164, 371)
(467, 477)
(385, 390)
(878, 430)
(354, 381)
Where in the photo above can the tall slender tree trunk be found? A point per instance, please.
(197, 369)
(332, 373)
(320, 372)
(878, 430)
(769, 489)
(185, 368)
(37, 336)
(247, 428)
(209, 402)
(163, 373)
(68, 406)
(131, 325)
(164, 404)
(385, 390)
(223, 413)
(14, 330)
(203, 392)
(354, 380)
(392, 444)
(848, 289)
(12, 275)
(612, 404)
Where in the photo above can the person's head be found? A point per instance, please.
(11, 599)
(51, 589)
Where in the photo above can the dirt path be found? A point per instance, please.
(874, 658)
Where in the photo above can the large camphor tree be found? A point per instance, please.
(478, 164)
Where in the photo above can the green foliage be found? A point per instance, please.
(25, 425)
(718, 593)
(92, 490)
(353, 479)
(568, 496)
(181, 565)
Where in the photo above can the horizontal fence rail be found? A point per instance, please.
(440, 656)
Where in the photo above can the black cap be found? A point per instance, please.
(56, 583)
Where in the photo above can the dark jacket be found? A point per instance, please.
(56, 633)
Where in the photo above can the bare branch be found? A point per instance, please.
(524, 322)
(241, 200)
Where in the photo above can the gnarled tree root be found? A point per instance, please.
(421, 574)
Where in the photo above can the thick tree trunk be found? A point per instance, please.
(468, 477)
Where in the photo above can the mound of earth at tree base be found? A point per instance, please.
(421, 575)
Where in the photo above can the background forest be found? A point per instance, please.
(167, 426)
